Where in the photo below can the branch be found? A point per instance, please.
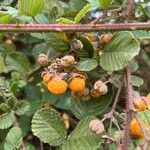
(129, 107)
(73, 28)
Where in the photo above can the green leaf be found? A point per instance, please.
(41, 18)
(13, 139)
(48, 126)
(104, 4)
(93, 106)
(119, 51)
(82, 13)
(6, 120)
(30, 7)
(144, 116)
(18, 61)
(94, 2)
(23, 108)
(58, 41)
(76, 5)
(2, 64)
(65, 21)
(82, 138)
(5, 19)
(4, 108)
(53, 9)
(142, 34)
(59, 101)
(87, 64)
(87, 47)
(136, 81)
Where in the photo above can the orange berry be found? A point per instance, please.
(141, 103)
(57, 86)
(136, 129)
(47, 77)
(77, 84)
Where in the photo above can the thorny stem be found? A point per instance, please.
(129, 107)
(73, 28)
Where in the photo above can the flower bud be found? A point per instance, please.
(96, 126)
(76, 45)
(42, 59)
(101, 87)
(67, 61)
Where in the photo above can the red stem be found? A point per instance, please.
(129, 107)
(72, 28)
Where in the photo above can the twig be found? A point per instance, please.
(129, 107)
(73, 28)
(129, 9)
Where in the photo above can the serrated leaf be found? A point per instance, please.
(82, 138)
(94, 106)
(65, 21)
(87, 65)
(48, 126)
(58, 41)
(82, 13)
(142, 34)
(119, 51)
(17, 61)
(22, 108)
(30, 7)
(6, 120)
(104, 4)
(2, 64)
(13, 139)
(137, 81)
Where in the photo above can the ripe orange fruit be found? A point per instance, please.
(141, 103)
(47, 77)
(77, 84)
(57, 86)
(136, 129)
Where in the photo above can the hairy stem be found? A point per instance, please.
(129, 9)
(129, 105)
(72, 28)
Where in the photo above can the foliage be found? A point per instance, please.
(30, 115)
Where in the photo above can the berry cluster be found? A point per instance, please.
(61, 75)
